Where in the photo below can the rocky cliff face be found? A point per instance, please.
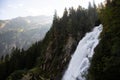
(54, 59)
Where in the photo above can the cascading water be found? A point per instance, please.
(79, 63)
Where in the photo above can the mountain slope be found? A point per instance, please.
(22, 32)
(61, 41)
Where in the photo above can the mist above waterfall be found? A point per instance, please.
(80, 63)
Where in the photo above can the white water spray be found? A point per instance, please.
(79, 63)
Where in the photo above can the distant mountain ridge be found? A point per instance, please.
(21, 32)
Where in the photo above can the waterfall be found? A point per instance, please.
(80, 63)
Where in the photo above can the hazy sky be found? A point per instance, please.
(14, 8)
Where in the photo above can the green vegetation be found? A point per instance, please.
(105, 64)
(18, 60)
(49, 58)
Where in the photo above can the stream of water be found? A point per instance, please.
(80, 63)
